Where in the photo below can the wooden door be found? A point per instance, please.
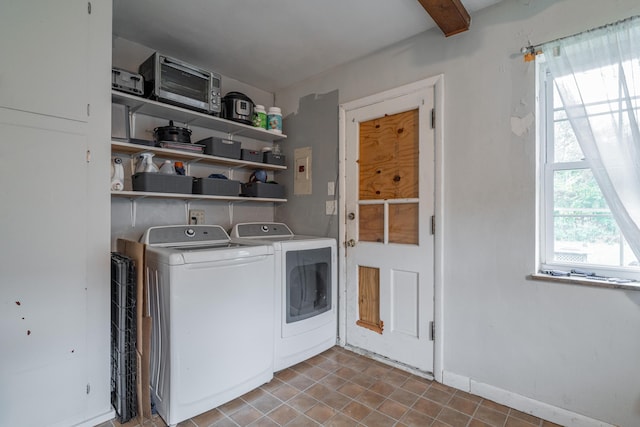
(390, 253)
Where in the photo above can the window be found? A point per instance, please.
(579, 226)
(589, 108)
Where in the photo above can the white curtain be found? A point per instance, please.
(597, 74)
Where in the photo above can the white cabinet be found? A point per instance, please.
(45, 219)
(54, 215)
(45, 47)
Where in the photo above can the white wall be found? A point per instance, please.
(568, 346)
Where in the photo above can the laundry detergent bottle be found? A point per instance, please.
(145, 163)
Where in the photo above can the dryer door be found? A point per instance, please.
(308, 283)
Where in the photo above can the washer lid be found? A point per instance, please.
(237, 254)
(185, 235)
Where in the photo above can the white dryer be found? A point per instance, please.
(306, 290)
(212, 306)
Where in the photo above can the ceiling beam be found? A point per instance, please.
(450, 15)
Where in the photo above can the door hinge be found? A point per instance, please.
(88, 156)
(88, 388)
(433, 118)
(432, 331)
(89, 8)
(433, 224)
(88, 110)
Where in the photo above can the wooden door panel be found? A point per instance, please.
(371, 223)
(388, 157)
(369, 298)
(404, 224)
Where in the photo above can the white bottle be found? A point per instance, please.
(145, 163)
(167, 168)
(117, 175)
(274, 120)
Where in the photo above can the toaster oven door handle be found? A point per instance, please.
(186, 68)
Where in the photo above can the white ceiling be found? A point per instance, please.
(271, 44)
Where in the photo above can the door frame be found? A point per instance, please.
(437, 83)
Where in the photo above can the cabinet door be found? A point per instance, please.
(43, 272)
(44, 47)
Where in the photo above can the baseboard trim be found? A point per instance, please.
(99, 419)
(456, 381)
(524, 404)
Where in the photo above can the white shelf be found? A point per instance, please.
(128, 148)
(133, 195)
(170, 112)
(153, 108)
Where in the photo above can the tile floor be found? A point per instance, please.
(340, 388)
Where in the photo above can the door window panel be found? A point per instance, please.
(403, 223)
(371, 223)
(388, 172)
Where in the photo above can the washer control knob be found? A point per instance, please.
(264, 228)
(190, 232)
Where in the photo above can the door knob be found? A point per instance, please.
(351, 243)
(351, 216)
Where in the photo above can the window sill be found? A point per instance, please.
(633, 286)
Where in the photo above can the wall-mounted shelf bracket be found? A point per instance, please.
(132, 203)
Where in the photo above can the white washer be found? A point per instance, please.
(306, 290)
(212, 306)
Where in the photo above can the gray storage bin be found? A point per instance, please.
(220, 147)
(262, 189)
(273, 159)
(216, 187)
(251, 155)
(161, 183)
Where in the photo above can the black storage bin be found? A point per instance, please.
(221, 147)
(273, 159)
(216, 187)
(161, 183)
(251, 155)
(262, 189)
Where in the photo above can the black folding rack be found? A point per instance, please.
(123, 337)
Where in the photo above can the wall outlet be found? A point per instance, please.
(196, 217)
(330, 207)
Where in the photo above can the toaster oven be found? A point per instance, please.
(177, 82)
(125, 81)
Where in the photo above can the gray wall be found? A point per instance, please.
(571, 347)
(314, 125)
